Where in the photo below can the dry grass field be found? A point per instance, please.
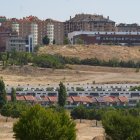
(73, 74)
(85, 130)
(99, 51)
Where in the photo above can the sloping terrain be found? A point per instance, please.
(99, 51)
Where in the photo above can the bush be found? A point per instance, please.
(14, 110)
(121, 127)
(40, 124)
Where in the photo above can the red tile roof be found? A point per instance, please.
(93, 99)
(123, 99)
(20, 98)
(69, 99)
(29, 98)
(44, 98)
(81, 99)
(115, 99)
(53, 99)
(108, 99)
(8, 98)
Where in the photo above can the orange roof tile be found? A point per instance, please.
(44, 98)
(20, 98)
(123, 99)
(108, 99)
(29, 98)
(53, 99)
(69, 99)
(8, 97)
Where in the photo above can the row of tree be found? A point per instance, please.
(119, 124)
(58, 61)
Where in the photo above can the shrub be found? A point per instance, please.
(40, 124)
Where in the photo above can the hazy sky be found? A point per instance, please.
(126, 11)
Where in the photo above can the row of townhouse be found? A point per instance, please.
(73, 87)
(73, 101)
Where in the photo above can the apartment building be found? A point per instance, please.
(16, 43)
(38, 28)
(5, 33)
(88, 22)
(121, 38)
(57, 30)
(122, 27)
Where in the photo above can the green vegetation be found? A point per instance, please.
(62, 95)
(136, 88)
(58, 61)
(120, 126)
(3, 98)
(46, 40)
(66, 41)
(13, 95)
(48, 61)
(41, 124)
(14, 109)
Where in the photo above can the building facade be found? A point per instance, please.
(38, 28)
(87, 22)
(128, 27)
(116, 38)
(16, 43)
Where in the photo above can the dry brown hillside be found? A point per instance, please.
(91, 51)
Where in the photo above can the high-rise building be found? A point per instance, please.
(88, 22)
(50, 32)
(122, 27)
(38, 28)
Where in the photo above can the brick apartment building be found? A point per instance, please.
(128, 27)
(88, 22)
(5, 34)
(38, 28)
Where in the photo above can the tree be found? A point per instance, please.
(79, 112)
(79, 41)
(46, 40)
(62, 95)
(3, 98)
(66, 41)
(54, 41)
(120, 126)
(14, 109)
(13, 95)
(41, 124)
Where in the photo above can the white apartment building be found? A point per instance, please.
(34, 32)
(50, 32)
(15, 27)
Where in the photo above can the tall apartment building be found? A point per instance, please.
(122, 27)
(38, 28)
(58, 29)
(88, 22)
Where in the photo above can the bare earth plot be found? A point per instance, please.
(87, 130)
(75, 74)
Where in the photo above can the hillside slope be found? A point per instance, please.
(99, 51)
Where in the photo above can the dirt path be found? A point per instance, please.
(87, 130)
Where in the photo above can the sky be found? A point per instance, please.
(120, 11)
